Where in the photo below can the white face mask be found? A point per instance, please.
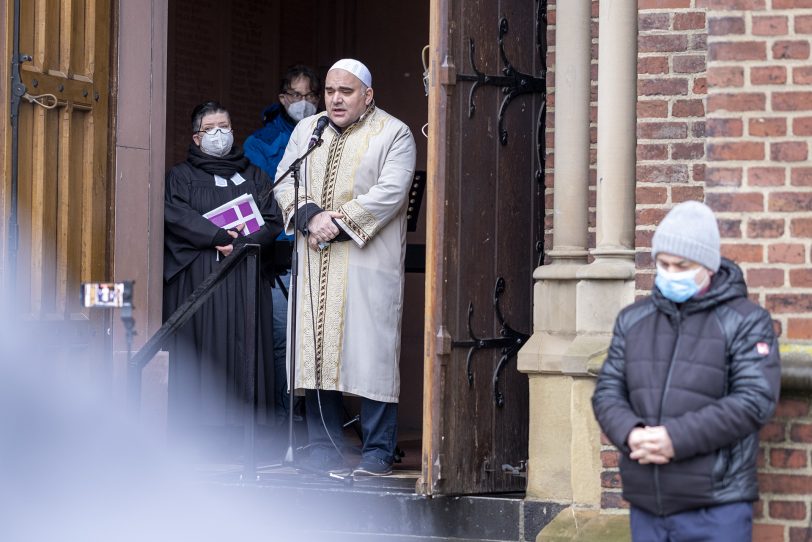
(219, 144)
(301, 109)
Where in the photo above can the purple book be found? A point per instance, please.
(241, 210)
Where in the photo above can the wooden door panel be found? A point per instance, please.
(63, 181)
(490, 229)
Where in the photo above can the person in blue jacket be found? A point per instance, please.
(299, 96)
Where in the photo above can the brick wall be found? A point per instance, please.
(759, 178)
(725, 116)
(671, 90)
(785, 474)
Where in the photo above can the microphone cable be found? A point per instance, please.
(313, 324)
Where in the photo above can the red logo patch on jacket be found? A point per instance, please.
(763, 348)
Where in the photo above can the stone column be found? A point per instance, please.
(607, 284)
(555, 397)
(571, 339)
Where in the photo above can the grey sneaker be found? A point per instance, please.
(372, 467)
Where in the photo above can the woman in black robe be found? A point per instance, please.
(206, 356)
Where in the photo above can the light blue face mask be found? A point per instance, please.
(677, 287)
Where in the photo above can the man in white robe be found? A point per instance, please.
(352, 215)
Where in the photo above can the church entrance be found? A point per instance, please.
(478, 230)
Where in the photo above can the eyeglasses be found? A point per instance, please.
(310, 96)
(214, 129)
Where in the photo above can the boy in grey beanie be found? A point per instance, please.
(691, 375)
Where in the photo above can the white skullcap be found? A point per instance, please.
(354, 67)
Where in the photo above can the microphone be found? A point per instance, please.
(320, 126)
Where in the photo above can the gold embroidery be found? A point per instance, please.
(359, 220)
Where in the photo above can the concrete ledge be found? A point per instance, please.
(586, 525)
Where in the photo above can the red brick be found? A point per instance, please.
(652, 152)
(792, 407)
(791, 101)
(785, 484)
(799, 329)
(610, 480)
(736, 5)
(768, 533)
(662, 173)
(612, 499)
(663, 4)
(652, 109)
(662, 43)
(722, 26)
(745, 101)
(741, 150)
(787, 510)
(765, 278)
(700, 85)
(698, 129)
(792, 4)
(649, 217)
(772, 432)
(803, 24)
(652, 65)
(802, 126)
(725, 127)
(642, 238)
(662, 87)
(769, 25)
(789, 151)
(758, 506)
(688, 108)
(725, 76)
(651, 195)
(765, 228)
(792, 50)
(800, 534)
(800, 432)
(767, 127)
(643, 260)
(730, 228)
(788, 303)
(610, 458)
(743, 253)
(685, 193)
(694, 20)
(801, 227)
(800, 278)
(737, 50)
(786, 253)
(802, 75)
(766, 176)
(662, 130)
(788, 458)
(689, 64)
(768, 75)
(801, 176)
(687, 151)
(723, 176)
(654, 21)
(698, 173)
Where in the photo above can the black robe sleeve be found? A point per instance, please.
(186, 231)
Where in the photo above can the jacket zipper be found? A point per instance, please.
(660, 413)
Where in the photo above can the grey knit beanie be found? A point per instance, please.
(689, 230)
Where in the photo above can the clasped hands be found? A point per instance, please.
(322, 229)
(225, 250)
(650, 445)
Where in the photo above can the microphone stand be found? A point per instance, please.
(294, 170)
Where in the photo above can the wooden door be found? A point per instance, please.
(484, 239)
(63, 173)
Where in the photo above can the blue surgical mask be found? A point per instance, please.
(677, 287)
